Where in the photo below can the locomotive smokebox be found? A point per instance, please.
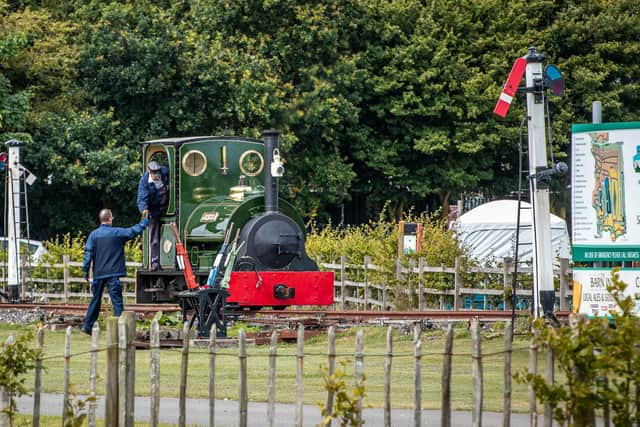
(273, 241)
(271, 139)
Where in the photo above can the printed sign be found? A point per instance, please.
(590, 295)
(605, 183)
(409, 238)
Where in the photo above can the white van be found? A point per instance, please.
(34, 248)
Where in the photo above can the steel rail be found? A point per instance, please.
(396, 315)
(327, 314)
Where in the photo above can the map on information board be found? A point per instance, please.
(605, 186)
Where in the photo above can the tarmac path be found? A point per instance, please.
(227, 413)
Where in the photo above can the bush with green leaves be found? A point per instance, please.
(600, 361)
(17, 358)
(346, 406)
(379, 240)
(74, 246)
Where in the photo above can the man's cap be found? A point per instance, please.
(154, 166)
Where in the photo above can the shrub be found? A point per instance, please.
(600, 361)
(379, 240)
(345, 407)
(17, 357)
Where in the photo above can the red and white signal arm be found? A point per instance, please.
(510, 87)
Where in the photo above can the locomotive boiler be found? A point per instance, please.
(228, 186)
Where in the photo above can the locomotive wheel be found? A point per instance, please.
(279, 307)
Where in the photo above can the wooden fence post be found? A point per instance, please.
(387, 378)
(95, 334)
(548, 377)
(507, 279)
(154, 345)
(508, 344)
(65, 379)
(343, 278)
(111, 376)
(409, 285)
(476, 371)
(130, 317)
(242, 394)
(398, 287)
(184, 366)
(359, 368)
(6, 395)
(533, 370)
(299, 375)
(37, 388)
(457, 297)
(122, 367)
(367, 261)
(564, 285)
(420, 286)
(385, 293)
(417, 383)
(271, 388)
(587, 416)
(213, 336)
(331, 355)
(66, 259)
(446, 378)
(126, 335)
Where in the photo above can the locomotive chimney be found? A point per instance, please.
(270, 138)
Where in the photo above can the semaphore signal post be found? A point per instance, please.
(540, 174)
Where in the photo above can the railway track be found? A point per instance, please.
(281, 315)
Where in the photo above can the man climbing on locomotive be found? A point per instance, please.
(153, 200)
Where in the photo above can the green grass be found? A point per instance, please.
(314, 362)
(51, 421)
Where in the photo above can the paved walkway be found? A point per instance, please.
(227, 413)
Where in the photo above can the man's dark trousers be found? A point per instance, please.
(115, 293)
(154, 242)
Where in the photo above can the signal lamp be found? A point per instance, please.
(554, 79)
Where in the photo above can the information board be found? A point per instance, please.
(590, 295)
(605, 187)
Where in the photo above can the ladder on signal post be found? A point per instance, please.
(16, 217)
(522, 173)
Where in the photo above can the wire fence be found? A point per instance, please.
(120, 376)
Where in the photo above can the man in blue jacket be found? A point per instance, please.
(153, 200)
(105, 252)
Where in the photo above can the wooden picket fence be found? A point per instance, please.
(120, 375)
(369, 293)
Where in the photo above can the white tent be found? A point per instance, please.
(489, 232)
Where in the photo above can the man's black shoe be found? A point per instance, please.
(84, 331)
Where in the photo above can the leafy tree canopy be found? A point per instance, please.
(378, 100)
